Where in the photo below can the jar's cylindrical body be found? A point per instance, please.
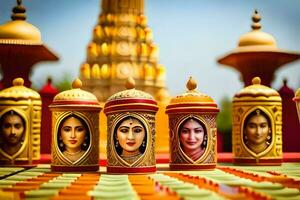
(88, 158)
(182, 125)
(257, 126)
(75, 131)
(131, 132)
(193, 130)
(20, 124)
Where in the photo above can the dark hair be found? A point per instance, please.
(87, 136)
(255, 113)
(203, 145)
(9, 113)
(119, 149)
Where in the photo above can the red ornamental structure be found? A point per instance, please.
(20, 48)
(47, 93)
(257, 55)
(290, 124)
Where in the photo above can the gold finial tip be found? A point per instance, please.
(130, 83)
(18, 82)
(191, 84)
(256, 19)
(76, 83)
(256, 81)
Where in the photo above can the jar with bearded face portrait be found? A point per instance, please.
(130, 139)
(20, 125)
(257, 131)
(12, 132)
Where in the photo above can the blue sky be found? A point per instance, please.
(191, 35)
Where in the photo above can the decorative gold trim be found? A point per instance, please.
(20, 42)
(240, 112)
(261, 154)
(57, 149)
(178, 157)
(177, 126)
(146, 126)
(148, 157)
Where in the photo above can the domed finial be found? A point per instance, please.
(76, 83)
(256, 19)
(18, 82)
(191, 84)
(130, 83)
(285, 81)
(256, 81)
(18, 11)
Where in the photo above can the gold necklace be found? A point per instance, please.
(72, 154)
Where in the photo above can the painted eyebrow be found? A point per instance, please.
(124, 126)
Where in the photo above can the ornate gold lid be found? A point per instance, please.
(130, 99)
(256, 37)
(192, 99)
(257, 90)
(19, 91)
(18, 31)
(130, 92)
(75, 96)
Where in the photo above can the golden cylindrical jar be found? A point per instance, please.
(75, 132)
(257, 125)
(20, 118)
(193, 130)
(131, 131)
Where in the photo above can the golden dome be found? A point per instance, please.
(192, 101)
(130, 99)
(19, 91)
(256, 37)
(18, 31)
(130, 92)
(75, 96)
(191, 95)
(257, 90)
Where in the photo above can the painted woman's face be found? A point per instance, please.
(12, 129)
(191, 135)
(130, 135)
(257, 129)
(73, 134)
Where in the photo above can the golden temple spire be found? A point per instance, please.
(122, 46)
(256, 19)
(18, 12)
